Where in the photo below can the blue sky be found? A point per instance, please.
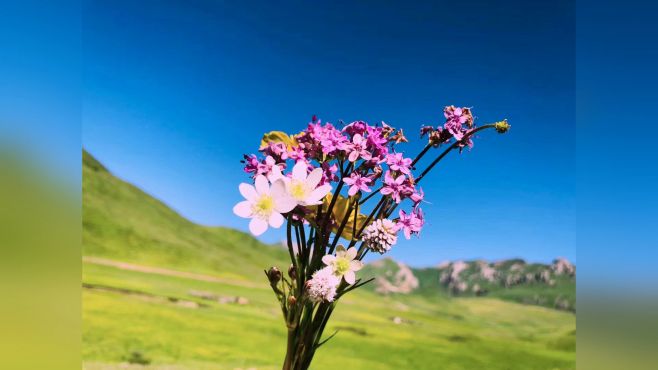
(175, 93)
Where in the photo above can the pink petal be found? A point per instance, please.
(276, 220)
(353, 190)
(350, 253)
(299, 171)
(243, 209)
(314, 178)
(319, 193)
(349, 277)
(356, 265)
(262, 185)
(257, 226)
(328, 259)
(248, 191)
(284, 203)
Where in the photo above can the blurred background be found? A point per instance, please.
(171, 94)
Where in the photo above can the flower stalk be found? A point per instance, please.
(293, 182)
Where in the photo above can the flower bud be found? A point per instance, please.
(274, 275)
(292, 300)
(502, 126)
(292, 272)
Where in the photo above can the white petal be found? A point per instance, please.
(257, 226)
(262, 186)
(248, 191)
(317, 194)
(349, 277)
(275, 174)
(243, 209)
(328, 259)
(276, 220)
(351, 253)
(299, 171)
(278, 189)
(314, 178)
(356, 265)
(284, 203)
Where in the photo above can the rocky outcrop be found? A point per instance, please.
(562, 266)
(396, 278)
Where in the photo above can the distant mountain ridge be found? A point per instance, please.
(549, 285)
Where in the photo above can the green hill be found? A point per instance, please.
(122, 222)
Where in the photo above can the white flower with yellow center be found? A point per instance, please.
(264, 204)
(303, 187)
(343, 263)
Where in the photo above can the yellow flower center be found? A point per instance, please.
(298, 190)
(263, 206)
(342, 265)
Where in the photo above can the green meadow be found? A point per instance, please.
(146, 271)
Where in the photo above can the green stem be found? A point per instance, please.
(450, 148)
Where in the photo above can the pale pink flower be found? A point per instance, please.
(343, 263)
(303, 187)
(410, 223)
(264, 204)
(397, 162)
(393, 186)
(322, 286)
(380, 235)
(357, 183)
(358, 149)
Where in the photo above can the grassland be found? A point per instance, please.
(150, 316)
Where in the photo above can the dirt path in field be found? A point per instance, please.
(168, 272)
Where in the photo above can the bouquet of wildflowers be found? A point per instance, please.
(330, 184)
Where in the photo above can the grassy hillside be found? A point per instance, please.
(163, 293)
(122, 222)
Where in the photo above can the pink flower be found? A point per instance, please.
(329, 173)
(357, 183)
(458, 121)
(417, 196)
(296, 153)
(393, 186)
(397, 162)
(358, 149)
(411, 223)
(356, 127)
(276, 150)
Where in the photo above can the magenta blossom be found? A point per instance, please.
(393, 186)
(251, 163)
(356, 127)
(397, 162)
(297, 153)
(357, 183)
(358, 149)
(329, 173)
(411, 223)
(458, 121)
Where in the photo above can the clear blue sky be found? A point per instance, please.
(176, 92)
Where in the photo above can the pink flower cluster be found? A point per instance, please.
(458, 123)
(358, 155)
